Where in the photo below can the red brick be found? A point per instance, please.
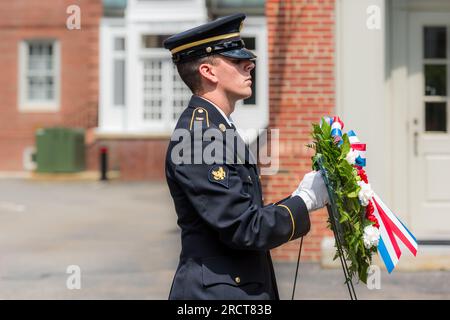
(24, 19)
(301, 68)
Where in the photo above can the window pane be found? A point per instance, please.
(49, 88)
(119, 44)
(40, 80)
(119, 82)
(49, 60)
(39, 63)
(435, 42)
(152, 90)
(153, 40)
(37, 88)
(181, 94)
(250, 42)
(435, 116)
(436, 80)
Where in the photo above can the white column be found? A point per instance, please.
(361, 95)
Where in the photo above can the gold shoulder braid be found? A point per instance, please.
(199, 114)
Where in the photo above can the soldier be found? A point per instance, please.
(226, 230)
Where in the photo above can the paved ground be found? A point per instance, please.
(124, 238)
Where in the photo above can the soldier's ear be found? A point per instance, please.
(208, 72)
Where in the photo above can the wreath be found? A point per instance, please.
(343, 162)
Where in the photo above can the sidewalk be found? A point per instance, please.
(124, 238)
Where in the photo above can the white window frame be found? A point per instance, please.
(24, 105)
(112, 118)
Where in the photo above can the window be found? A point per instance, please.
(153, 97)
(250, 43)
(181, 94)
(153, 41)
(435, 62)
(39, 75)
(164, 94)
(119, 72)
(146, 94)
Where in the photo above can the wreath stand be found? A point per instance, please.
(337, 231)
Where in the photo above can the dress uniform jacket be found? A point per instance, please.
(226, 230)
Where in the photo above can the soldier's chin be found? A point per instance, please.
(248, 94)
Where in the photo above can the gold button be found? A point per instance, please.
(237, 279)
(222, 127)
(200, 111)
(208, 49)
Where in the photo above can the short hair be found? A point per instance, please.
(188, 71)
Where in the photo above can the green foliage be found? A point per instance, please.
(343, 181)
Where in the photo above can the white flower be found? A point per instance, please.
(365, 194)
(351, 156)
(371, 236)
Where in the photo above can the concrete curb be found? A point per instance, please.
(76, 176)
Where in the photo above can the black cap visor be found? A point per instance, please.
(242, 53)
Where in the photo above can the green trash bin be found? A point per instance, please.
(60, 149)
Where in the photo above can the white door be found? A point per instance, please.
(428, 112)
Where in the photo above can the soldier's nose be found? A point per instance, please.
(250, 66)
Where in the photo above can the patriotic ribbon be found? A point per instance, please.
(390, 227)
(336, 131)
(357, 147)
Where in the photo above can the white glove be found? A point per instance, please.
(313, 191)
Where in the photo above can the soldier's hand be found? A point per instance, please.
(313, 191)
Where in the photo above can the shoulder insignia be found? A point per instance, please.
(219, 174)
(199, 114)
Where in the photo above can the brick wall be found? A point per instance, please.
(136, 159)
(24, 19)
(301, 82)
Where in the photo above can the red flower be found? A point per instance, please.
(369, 215)
(362, 175)
(369, 208)
(374, 220)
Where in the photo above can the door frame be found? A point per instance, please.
(418, 143)
(400, 12)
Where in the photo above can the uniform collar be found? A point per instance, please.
(218, 118)
(215, 114)
(228, 119)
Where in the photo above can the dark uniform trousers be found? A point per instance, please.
(226, 231)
